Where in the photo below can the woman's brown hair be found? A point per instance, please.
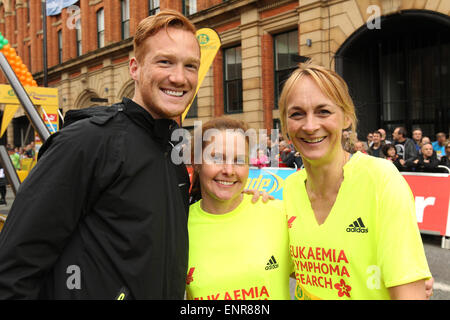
(221, 123)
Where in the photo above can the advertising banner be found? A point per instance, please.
(38, 95)
(210, 43)
(432, 195)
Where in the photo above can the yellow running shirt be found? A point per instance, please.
(240, 255)
(369, 242)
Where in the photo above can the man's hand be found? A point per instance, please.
(257, 194)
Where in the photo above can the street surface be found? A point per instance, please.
(438, 258)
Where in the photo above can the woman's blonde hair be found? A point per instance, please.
(329, 82)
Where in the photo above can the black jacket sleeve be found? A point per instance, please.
(47, 209)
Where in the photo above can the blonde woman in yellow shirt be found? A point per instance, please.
(355, 234)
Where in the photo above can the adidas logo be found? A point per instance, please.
(357, 226)
(272, 264)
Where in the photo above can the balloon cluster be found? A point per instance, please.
(20, 69)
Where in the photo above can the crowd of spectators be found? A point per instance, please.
(17, 154)
(415, 154)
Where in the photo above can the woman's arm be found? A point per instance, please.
(410, 291)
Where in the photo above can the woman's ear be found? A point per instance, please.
(348, 122)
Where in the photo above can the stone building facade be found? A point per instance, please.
(262, 41)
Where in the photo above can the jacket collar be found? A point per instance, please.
(160, 129)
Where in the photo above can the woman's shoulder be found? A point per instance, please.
(364, 162)
(261, 207)
(378, 172)
(295, 177)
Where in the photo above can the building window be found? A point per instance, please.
(29, 57)
(233, 80)
(28, 11)
(78, 37)
(153, 7)
(100, 28)
(125, 18)
(286, 50)
(60, 46)
(189, 7)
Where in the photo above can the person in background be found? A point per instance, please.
(383, 136)
(445, 160)
(359, 146)
(368, 143)
(376, 149)
(262, 160)
(417, 138)
(347, 208)
(289, 156)
(390, 153)
(426, 161)
(405, 146)
(237, 249)
(30, 150)
(439, 145)
(2, 186)
(423, 141)
(348, 141)
(15, 158)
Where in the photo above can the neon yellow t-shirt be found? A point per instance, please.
(369, 242)
(240, 255)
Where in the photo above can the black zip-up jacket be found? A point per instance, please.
(103, 215)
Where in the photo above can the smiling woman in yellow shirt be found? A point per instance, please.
(355, 234)
(238, 250)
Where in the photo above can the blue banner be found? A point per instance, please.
(54, 7)
(268, 179)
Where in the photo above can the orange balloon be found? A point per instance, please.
(6, 47)
(34, 83)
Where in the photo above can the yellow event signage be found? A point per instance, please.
(210, 43)
(8, 115)
(45, 97)
(38, 95)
